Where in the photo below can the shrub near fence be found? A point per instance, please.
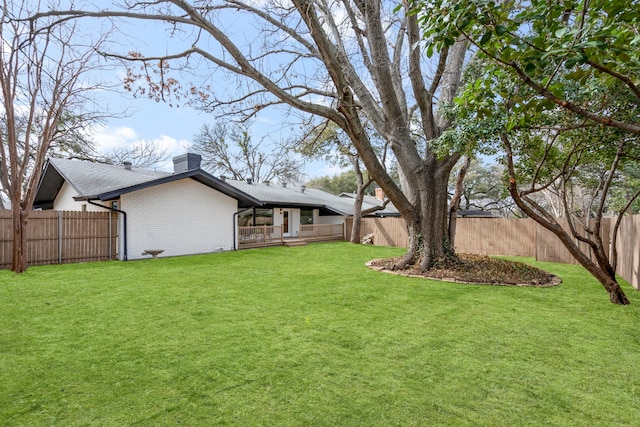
(60, 237)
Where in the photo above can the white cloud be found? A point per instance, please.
(173, 147)
(107, 138)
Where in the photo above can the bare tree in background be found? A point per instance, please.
(43, 105)
(343, 61)
(141, 154)
(329, 142)
(228, 149)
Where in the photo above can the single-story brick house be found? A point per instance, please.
(185, 212)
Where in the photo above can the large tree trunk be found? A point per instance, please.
(428, 233)
(357, 217)
(434, 221)
(19, 247)
(361, 186)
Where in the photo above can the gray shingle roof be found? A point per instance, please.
(91, 179)
(389, 210)
(108, 182)
(277, 195)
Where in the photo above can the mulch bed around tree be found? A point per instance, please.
(475, 269)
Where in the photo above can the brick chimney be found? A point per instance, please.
(379, 194)
(186, 162)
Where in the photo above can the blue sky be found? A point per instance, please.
(174, 128)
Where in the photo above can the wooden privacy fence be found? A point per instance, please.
(484, 236)
(386, 231)
(60, 237)
(550, 248)
(628, 248)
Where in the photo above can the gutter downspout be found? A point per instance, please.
(235, 225)
(124, 217)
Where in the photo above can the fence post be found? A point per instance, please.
(60, 229)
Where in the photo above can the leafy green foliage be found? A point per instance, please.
(549, 46)
(559, 82)
(550, 144)
(344, 182)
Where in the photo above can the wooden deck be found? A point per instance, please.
(271, 235)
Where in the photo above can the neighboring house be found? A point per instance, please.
(185, 212)
(476, 213)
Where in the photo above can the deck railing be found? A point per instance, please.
(260, 235)
(322, 232)
(271, 235)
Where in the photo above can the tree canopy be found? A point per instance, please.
(343, 61)
(549, 46)
(228, 149)
(554, 90)
(44, 83)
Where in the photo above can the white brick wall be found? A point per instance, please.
(182, 217)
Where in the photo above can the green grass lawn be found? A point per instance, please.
(309, 336)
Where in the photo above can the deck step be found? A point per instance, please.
(295, 242)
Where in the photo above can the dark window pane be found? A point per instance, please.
(306, 216)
